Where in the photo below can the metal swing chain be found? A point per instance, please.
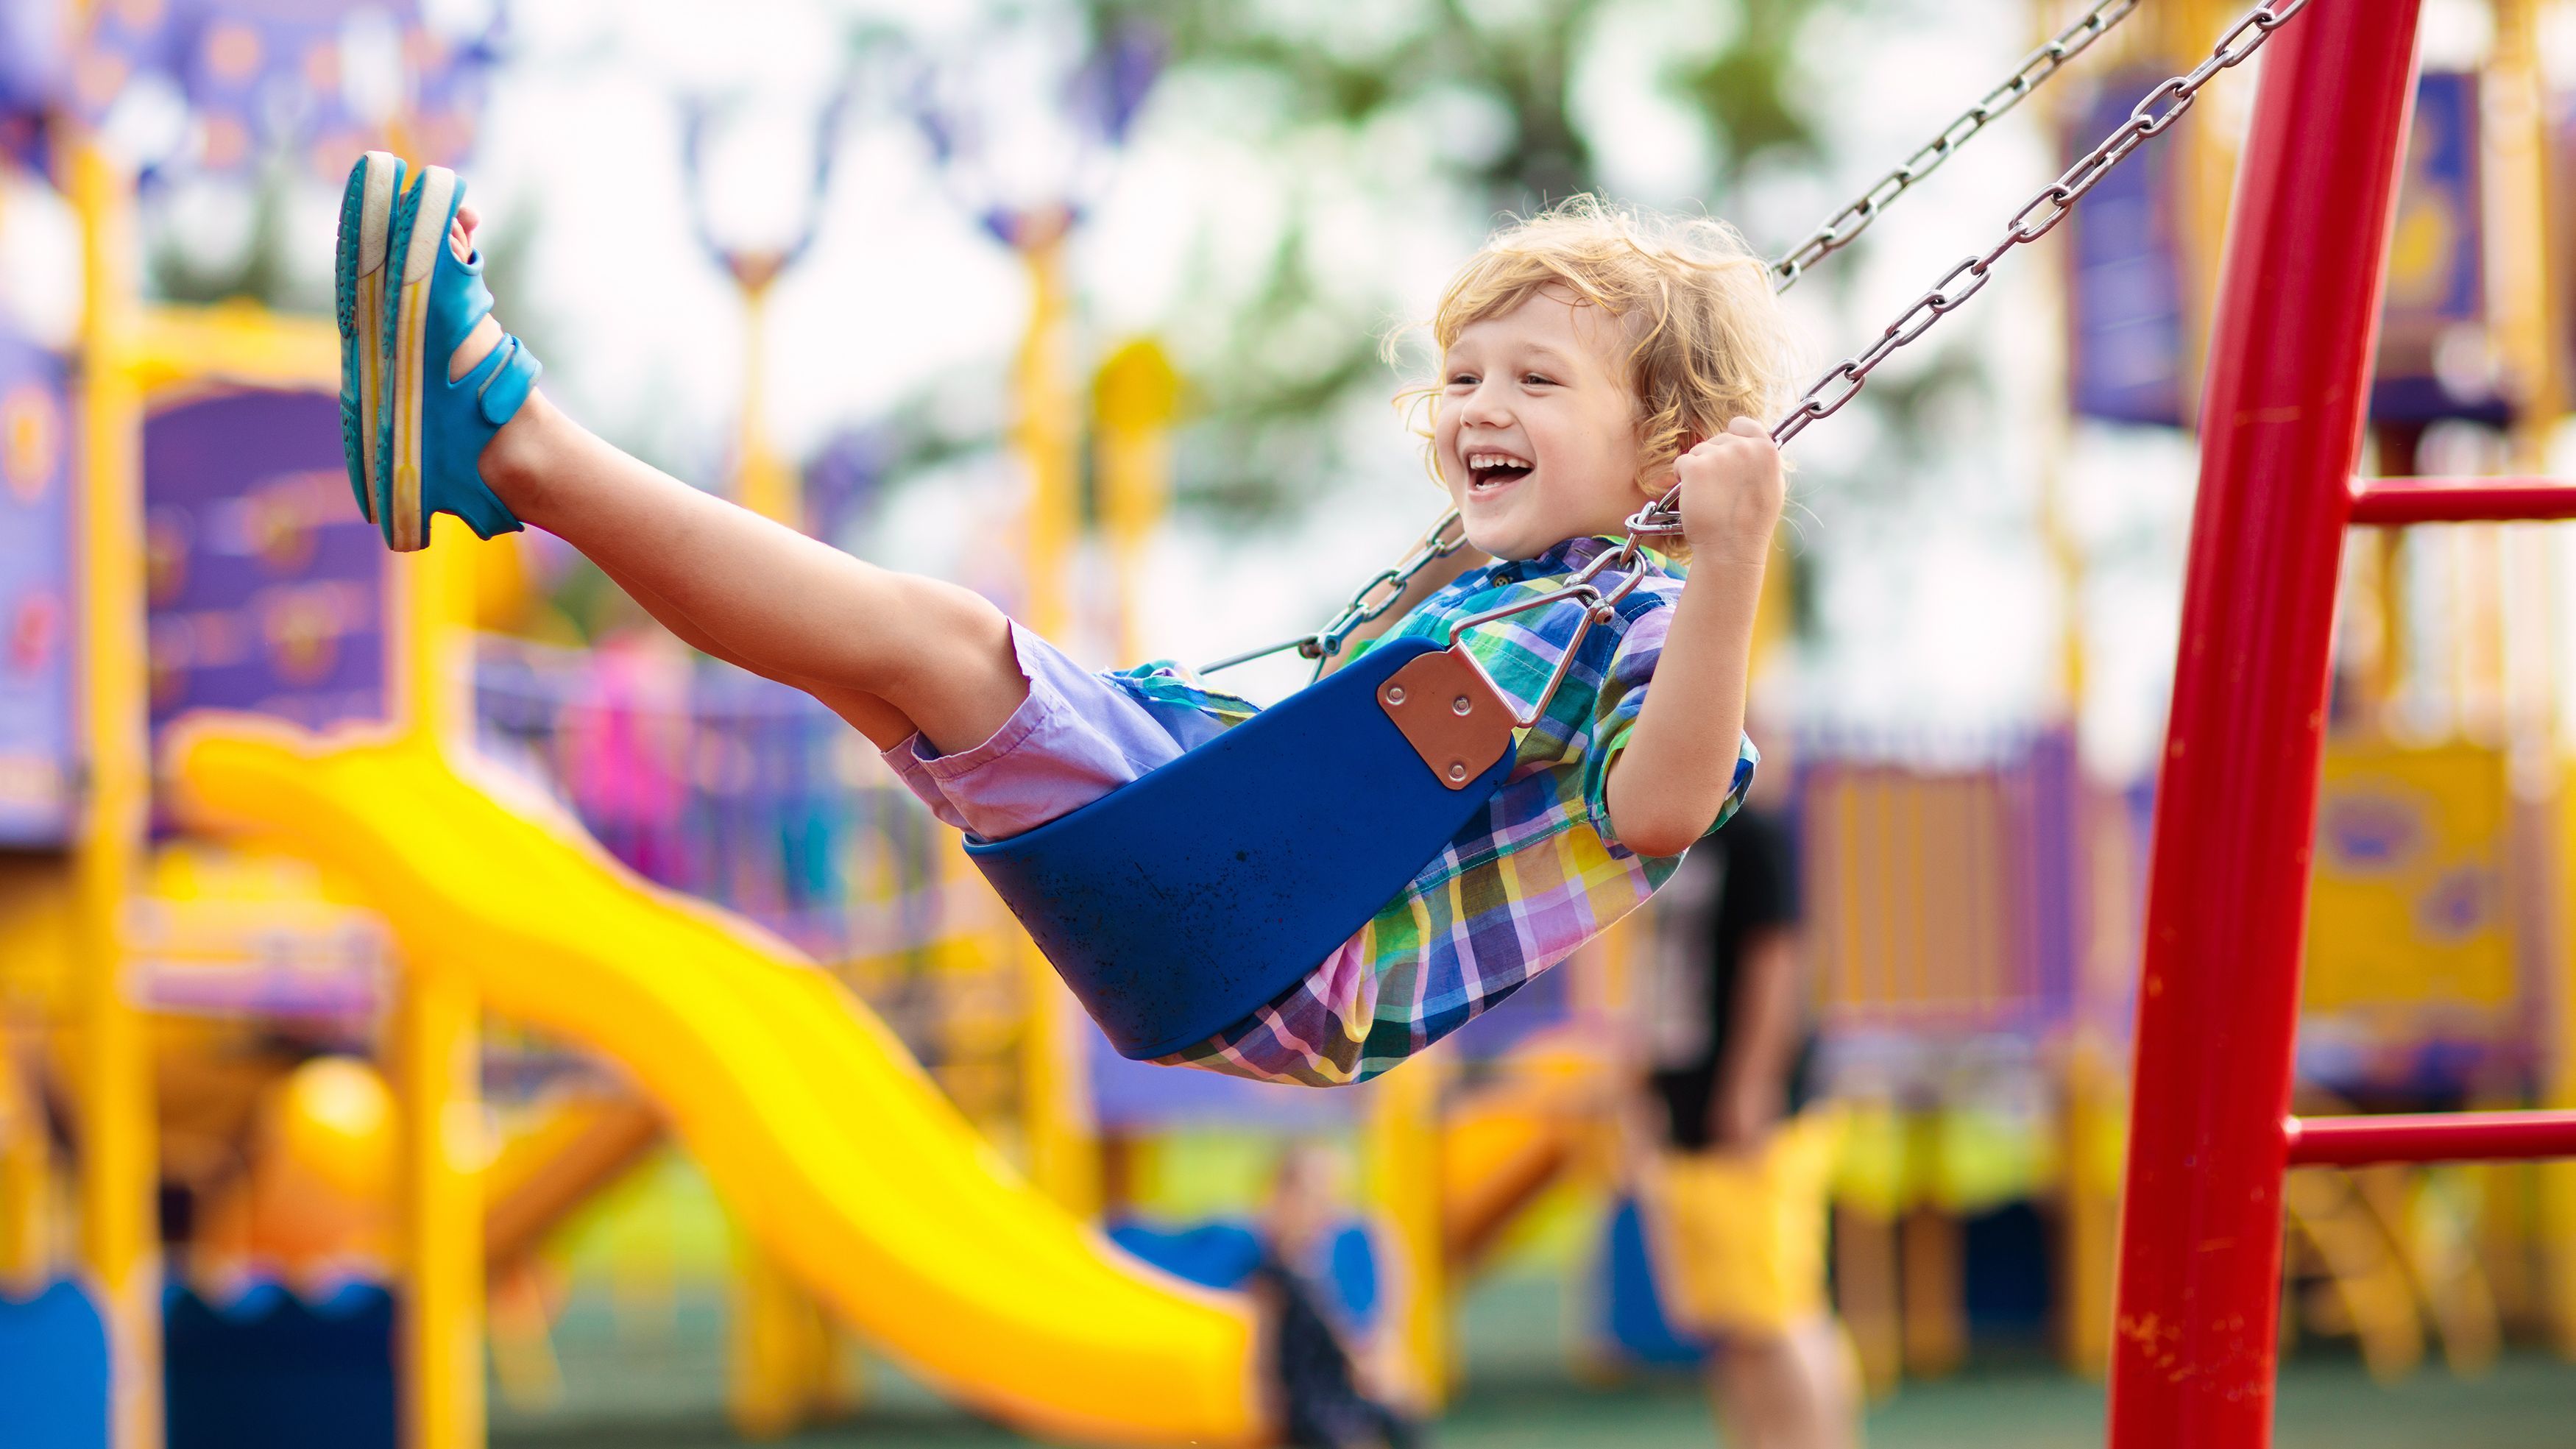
(1373, 599)
(1836, 232)
(2150, 118)
(1840, 229)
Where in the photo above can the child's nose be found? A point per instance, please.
(1484, 405)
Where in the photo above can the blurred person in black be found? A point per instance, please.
(1322, 1399)
(1735, 1196)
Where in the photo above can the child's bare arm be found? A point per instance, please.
(1670, 781)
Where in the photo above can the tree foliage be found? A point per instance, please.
(1349, 69)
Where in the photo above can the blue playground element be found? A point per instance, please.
(271, 1371)
(1179, 903)
(1218, 1254)
(1632, 1312)
(53, 1371)
(2011, 1277)
(1222, 1254)
(1353, 1257)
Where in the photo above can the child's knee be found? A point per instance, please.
(963, 622)
(946, 635)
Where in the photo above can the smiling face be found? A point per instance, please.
(1535, 430)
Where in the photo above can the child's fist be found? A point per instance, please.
(1731, 494)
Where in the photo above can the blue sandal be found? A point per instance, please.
(434, 429)
(358, 285)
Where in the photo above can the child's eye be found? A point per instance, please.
(1539, 378)
(1462, 379)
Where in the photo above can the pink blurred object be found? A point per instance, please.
(624, 748)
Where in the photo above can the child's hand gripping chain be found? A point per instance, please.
(1732, 490)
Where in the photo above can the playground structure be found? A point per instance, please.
(2426, 982)
(438, 1196)
(2194, 1351)
(387, 660)
(1445, 1195)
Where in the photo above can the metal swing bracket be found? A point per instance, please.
(1450, 713)
(1450, 709)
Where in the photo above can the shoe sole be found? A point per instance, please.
(406, 317)
(366, 215)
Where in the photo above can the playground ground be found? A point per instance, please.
(658, 1384)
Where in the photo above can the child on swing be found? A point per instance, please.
(1590, 358)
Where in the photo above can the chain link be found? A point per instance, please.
(1840, 229)
(2039, 216)
(1372, 601)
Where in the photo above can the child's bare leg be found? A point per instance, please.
(889, 651)
(883, 724)
(770, 598)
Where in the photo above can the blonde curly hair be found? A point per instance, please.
(1710, 344)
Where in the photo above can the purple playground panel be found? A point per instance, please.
(267, 589)
(1138, 1097)
(264, 80)
(38, 629)
(1948, 886)
(2126, 314)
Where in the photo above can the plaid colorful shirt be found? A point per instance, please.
(1537, 875)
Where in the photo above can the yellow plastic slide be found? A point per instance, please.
(816, 1124)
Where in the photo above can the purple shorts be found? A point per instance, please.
(1077, 737)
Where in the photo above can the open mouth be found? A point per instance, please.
(1487, 470)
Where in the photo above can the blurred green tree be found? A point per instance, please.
(1502, 79)
(1339, 69)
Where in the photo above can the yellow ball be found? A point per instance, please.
(332, 1121)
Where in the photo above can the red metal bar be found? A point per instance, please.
(2429, 1137)
(2395, 502)
(2194, 1341)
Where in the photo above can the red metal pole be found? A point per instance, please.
(2399, 501)
(2429, 1137)
(2194, 1340)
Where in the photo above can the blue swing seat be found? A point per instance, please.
(1181, 902)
